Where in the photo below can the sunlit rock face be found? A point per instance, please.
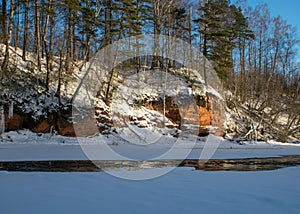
(211, 114)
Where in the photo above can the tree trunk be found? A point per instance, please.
(88, 46)
(4, 20)
(68, 44)
(138, 58)
(51, 43)
(42, 28)
(37, 36)
(17, 27)
(156, 31)
(8, 38)
(190, 33)
(46, 47)
(25, 38)
(74, 44)
(2, 120)
(58, 91)
(204, 53)
(113, 70)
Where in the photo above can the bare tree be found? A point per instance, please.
(46, 45)
(161, 9)
(17, 28)
(25, 36)
(4, 66)
(37, 36)
(4, 20)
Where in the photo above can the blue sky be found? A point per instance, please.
(289, 10)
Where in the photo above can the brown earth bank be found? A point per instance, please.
(248, 164)
(56, 122)
(211, 113)
(64, 123)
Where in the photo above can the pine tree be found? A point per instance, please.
(220, 26)
(215, 45)
(124, 21)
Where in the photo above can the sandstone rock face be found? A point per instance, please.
(218, 114)
(82, 128)
(14, 123)
(200, 117)
(42, 127)
(64, 127)
(171, 110)
(212, 114)
(205, 116)
(86, 127)
(19, 121)
(59, 123)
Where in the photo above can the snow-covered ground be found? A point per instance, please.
(184, 190)
(25, 145)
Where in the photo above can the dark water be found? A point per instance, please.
(247, 164)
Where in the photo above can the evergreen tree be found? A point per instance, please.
(221, 27)
(215, 45)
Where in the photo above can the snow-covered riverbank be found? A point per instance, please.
(183, 190)
(25, 145)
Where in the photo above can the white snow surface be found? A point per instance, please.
(183, 190)
(25, 145)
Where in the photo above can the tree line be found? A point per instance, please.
(253, 53)
(236, 38)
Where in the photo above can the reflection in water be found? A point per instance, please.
(248, 164)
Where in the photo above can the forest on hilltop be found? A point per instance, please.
(254, 54)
